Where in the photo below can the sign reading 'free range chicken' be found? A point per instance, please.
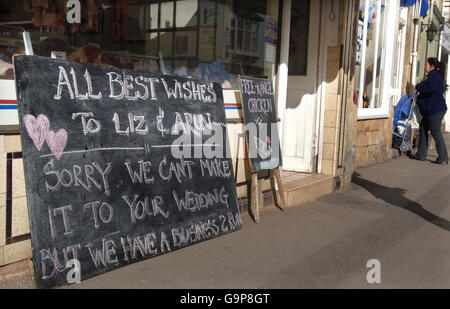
(260, 123)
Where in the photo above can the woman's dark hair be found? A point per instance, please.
(439, 66)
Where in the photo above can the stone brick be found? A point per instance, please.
(241, 191)
(2, 173)
(327, 167)
(332, 71)
(370, 125)
(361, 126)
(331, 101)
(20, 221)
(361, 156)
(1, 256)
(17, 251)
(2, 143)
(377, 124)
(328, 152)
(373, 154)
(385, 152)
(330, 118)
(2, 226)
(332, 84)
(329, 135)
(12, 143)
(18, 179)
(2, 199)
(372, 138)
(378, 137)
(334, 53)
(361, 139)
(368, 137)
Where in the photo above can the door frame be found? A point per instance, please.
(396, 92)
(320, 73)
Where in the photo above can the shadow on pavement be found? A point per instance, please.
(396, 197)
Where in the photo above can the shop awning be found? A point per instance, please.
(423, 5)
(407, 2)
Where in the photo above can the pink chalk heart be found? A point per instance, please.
(57, 142)
(37, 128)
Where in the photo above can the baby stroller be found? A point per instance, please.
(403, 113)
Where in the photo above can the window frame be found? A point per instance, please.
(385, 91)
(308, 15)
(170, 60)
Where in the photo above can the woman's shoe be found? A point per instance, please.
(415, 157)
(437, 161)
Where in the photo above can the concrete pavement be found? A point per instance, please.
(397, 212)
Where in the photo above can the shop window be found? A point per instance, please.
(166, 19)
(186, 13)
(214, 40)
(185, 43)
(375, 63)
(165, 43)
(11, 43)
(151, 44)
(298, 39)
(370, 55)
(245, 36)
(153, 16)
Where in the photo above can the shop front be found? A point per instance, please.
(212, 40)
(303, 47)
(378, 76)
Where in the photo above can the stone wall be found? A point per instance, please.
(333, 101)
(373, 141)
(339, 129)
(331, 113)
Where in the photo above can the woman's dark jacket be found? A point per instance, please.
(431, 94)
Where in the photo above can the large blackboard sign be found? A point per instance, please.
(120, 166)
(260, 120)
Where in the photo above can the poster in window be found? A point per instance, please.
(181, 45)
(271, 30)
(207, 13)
(270, 53)
(359, 43)
(207, 42)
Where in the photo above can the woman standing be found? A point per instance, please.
(432, 107)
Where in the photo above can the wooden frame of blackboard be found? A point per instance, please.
(256, 197)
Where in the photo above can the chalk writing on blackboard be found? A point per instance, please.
(120, 166)
(260, 123)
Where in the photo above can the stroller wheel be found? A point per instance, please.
(404, 147)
